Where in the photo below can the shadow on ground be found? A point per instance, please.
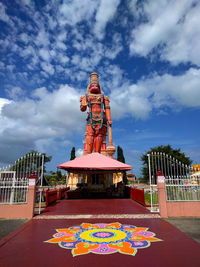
(8, 226)
(190, 226)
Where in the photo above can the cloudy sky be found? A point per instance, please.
(148, 59)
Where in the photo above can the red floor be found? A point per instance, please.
(95, 206)
(28, 249)
(26, 246)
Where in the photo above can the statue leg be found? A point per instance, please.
(85, 142)
(98, 143)
(99, 139)
(90, 139)
(103, 147)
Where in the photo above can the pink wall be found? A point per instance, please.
(19, 210)
(174, 208)
(183, 209)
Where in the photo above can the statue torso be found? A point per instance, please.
(97, 105)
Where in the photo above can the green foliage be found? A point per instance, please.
(120, 154)
(148, 198)
(142, 180)
(176, 153)
(73, 153)
(55, 178)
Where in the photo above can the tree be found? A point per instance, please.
(120, 154)
(73, 153)
(55, 178)
(120, 157)
(176, 153)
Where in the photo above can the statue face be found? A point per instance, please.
(94, 88)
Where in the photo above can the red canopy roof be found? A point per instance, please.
(94, 162)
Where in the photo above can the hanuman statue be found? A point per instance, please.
(98, 118)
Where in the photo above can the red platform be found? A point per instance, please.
(26, 246)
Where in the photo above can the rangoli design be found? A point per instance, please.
(103, 238)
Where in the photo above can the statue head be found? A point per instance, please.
(94, 87)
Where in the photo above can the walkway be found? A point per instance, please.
(26, 247)
(95, 206)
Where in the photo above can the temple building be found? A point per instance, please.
(74, 179)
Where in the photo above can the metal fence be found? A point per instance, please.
(14, 178)
(180, 186)
(13, 191)
(171, 167)
(182, 189)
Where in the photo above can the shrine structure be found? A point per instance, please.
(96, 170)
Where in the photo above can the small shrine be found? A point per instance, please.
(97, 170)
(195, 174)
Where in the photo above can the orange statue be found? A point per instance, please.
(98, 117)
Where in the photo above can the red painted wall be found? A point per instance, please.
(138, 195)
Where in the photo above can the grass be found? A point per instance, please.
(148, 198)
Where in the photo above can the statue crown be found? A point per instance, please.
(94, 77)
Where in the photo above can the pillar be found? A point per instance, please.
(161, 194)
(31, 194)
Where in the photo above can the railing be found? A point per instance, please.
(13, 191)
(51, 197)
(182, 189)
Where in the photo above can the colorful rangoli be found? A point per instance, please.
(103, 238)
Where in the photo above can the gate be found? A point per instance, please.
(14, 179)
(175, 172)
(12, 190)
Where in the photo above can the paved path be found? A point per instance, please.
(26, 247)
(95, 206)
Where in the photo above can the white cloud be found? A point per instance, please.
(28, 124)
(117, 47)
(2, 65)
(24, 37)
(48, 68)
(44, 53)
(10, 67)
(63, 59)
(42, 38)
(47, 111)
(75, 11)
(171, 27)
(14, 92)
(79, 152)
(3, 101)
(3, 16)
(62, 36)
(105, 13)
(157, 92)
(61, 45)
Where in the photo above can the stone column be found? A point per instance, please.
(161, 194)
(31, 194)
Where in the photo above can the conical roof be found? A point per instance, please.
(94, 162)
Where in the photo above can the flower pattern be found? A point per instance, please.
(103, 238)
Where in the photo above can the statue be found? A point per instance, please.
(98, 119)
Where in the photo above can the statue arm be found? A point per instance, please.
(107, 109)
(83, 103)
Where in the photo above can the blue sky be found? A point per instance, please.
(145, 52)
